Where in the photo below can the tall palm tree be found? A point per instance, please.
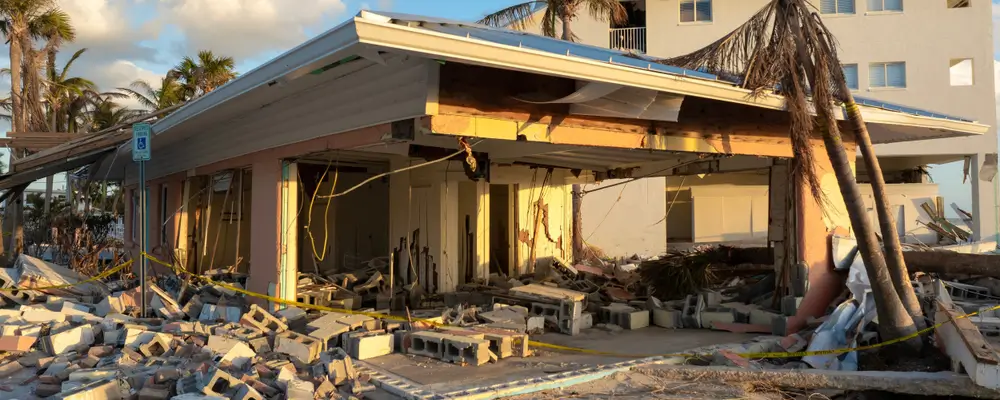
(204, 73)
(562, 11)
(21, 21)
(785, 46)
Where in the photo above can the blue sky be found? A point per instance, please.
(142, 39)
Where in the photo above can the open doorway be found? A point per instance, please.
(501, 231)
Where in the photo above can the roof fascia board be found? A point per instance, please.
(428, 43)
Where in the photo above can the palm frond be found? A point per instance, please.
(515, 17)
(608, 11)
(762, 56)
(53, 23)
(69, 63)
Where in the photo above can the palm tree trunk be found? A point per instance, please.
(894, 320)
(17, 114)
(893, 249)
(566, 18)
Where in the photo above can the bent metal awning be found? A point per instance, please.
(372, 36)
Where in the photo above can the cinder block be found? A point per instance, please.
(302, 347)
(300, 390)
(262, 320)
(466, 350)
(570, 309)
(260, 345)
(34, 315)
(193, 307)
(761, 317)
(239, 355)
(708, 317)
(400, 340)
(61, 342)
(548, 311)
(586, 320)
(155, 347)
(329, 334)
(340, 371)
(370, 346)
(790, 305)
(535, 324)
(634, 319)
(427, 344)
(246, 392)
(667, 318)
(217, 383)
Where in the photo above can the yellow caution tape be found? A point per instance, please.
(768, 355)
(97, 277)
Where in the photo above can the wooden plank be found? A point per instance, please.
(966, 346)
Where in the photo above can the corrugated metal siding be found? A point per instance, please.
(370, 96)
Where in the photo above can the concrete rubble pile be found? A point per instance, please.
(208, 342)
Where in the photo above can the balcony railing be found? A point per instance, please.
(628, 39)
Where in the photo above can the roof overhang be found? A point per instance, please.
(368, 33)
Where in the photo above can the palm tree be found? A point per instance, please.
(785, 46)
(203, 74)
(106, 113)
(63, 90)
(21, 21)
(562, 11)
(171, 92)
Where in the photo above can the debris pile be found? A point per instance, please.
(207, 341)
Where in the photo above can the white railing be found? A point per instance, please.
(628, 39)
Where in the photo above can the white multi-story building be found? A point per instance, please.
(926, 54)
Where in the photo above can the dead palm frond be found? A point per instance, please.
(761, 55)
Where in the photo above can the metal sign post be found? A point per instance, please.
(141, 135)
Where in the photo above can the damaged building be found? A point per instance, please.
(398, 158)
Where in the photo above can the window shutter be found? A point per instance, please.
(828, 6)
(874, 5)
(704, 9)
(851, 75)
(893, 5)
(845, 6)
(687, 11)
(896, 74)
(876, 75)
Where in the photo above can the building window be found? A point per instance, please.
(164, 213)
(962, 72)
(696, 10)
(885, 5)
(959, 3)
(851, 75)
(887, 75)
(836, 6)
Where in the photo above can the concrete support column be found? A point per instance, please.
(482, 225)
(984, 202)
(129, 212)
(155, 198)
(443, 234)
(181, 224)
(815, 225)
(274, 233)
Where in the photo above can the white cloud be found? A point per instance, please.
(245, 28)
